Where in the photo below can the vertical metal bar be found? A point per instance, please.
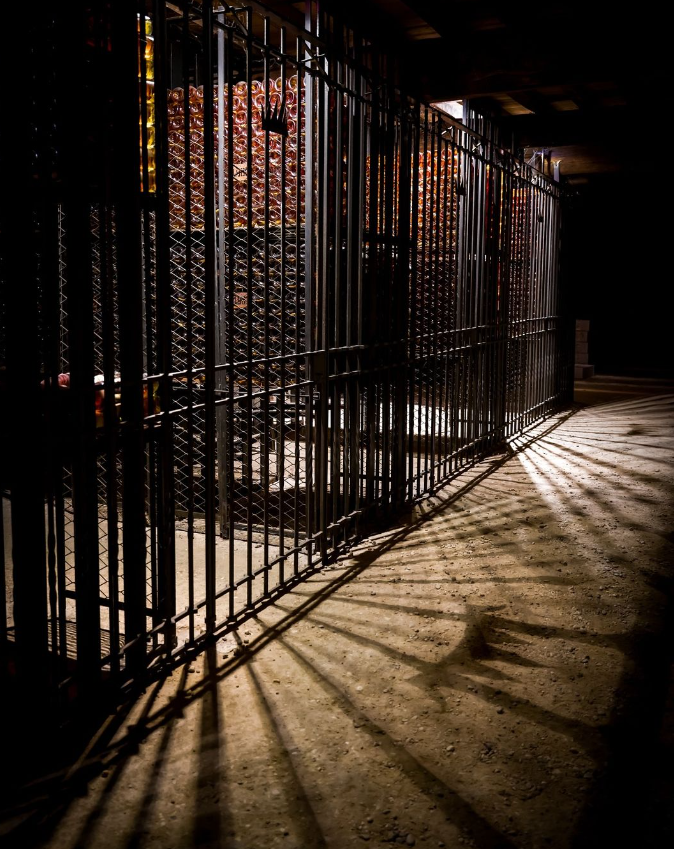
(527, 284)
(148, 309)
(59, 466)
(389, 178)
(353, 263)
(413, 343)
(53, 459)
(301, 182)
(523, 303)
(525, 306)
(283, 330)
(452, 417)
(473, 292)
(249, 311)
(339, 423)
(231, 344)
(210, 294)
(80, 337)
(422, 426)
(531, 328)
(466, 283)
(346, 258)
(359, 227)
(223, 414)
(487, 368)
(515, 302)
(129, 259)
(111, 430)
(303, 278)
(444, 311)
(371, 310)
(478, 288)
(189, 315)
(306, 85)
(401, 324)
(322, 295)
(166, 508)
(503, 299)
(537, 324)
(265, 452)
(434, 251)
(23, 466)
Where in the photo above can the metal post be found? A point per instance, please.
(129, 258)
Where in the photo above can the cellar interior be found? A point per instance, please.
(303, 495)
(342, 297)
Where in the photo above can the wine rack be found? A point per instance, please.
(260, 259)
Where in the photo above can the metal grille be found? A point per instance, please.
(319, 300)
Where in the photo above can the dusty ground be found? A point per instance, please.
(497, 671)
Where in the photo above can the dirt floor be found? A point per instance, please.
(494, 671)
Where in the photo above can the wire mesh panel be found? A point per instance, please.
(280, 300)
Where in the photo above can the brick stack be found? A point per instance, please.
(582, 370)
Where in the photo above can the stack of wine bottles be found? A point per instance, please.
(262, 161)
(262, 164)
(146, 120)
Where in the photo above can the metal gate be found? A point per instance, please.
(271, 298)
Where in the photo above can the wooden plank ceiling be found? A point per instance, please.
(577, 79)
(580, 79)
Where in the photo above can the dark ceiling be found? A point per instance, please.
(581, 80)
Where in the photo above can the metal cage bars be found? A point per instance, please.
(277, 298)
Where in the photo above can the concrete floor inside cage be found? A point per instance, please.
(494, 671)
(282, 553)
